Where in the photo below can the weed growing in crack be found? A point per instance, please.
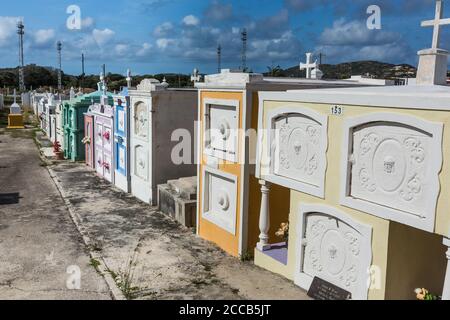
(246, 257)
(95, 263)
(124, 278)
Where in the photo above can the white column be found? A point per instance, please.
(264, 217)
(446, 293)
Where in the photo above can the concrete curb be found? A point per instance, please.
(103, 269)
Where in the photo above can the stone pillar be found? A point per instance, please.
(264, 217)
(446, 293)
(432, 68)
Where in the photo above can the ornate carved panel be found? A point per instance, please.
(219, 199)
(141, 118)
(221, 129)
(121, 121)
(334, 248)
(393, 169)
(141, 162)
(297, 148)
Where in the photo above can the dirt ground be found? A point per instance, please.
(168, 261)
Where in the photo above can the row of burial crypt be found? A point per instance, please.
(354, 174)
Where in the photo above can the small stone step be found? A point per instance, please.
(186, 188)
(182, 210)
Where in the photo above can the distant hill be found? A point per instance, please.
(346, 70)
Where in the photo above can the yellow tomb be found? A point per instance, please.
(15, 121)
(15, 116)
(228, 192)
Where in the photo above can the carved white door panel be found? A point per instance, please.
(140, 121)
(99, 134)
(298, 147)
(219, 199)
(141, 180)
(393, 169)
(335, 249)
(221, 129)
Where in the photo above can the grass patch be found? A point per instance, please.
(125, 278)
(246, 257)
(95, 263)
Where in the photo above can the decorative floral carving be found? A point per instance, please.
(412, 188)
(370, 140)
(314, 134)
(353, 243)
(318, 229)
(315, 260)
(312, 165)
(366, 180)
(285, 131)
(414, 146)
(284, 160)
(350, 276)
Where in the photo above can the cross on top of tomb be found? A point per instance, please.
(15, 108)
(437, 23)
(195, 76)
(129, 78)
(309, 65)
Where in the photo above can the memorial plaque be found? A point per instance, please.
(323, 290)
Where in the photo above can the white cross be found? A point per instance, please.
(437, 23)
(129, 78)
(195, 76)
(309, 65)
(14, 96)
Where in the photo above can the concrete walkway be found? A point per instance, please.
(152, 257)
(38, 240)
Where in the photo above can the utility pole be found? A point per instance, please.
(244, 38)
(59, 48)
(321, 56)
(82, 71)
(21, 32)
(219, 58)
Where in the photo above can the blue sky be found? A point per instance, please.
(153, 36)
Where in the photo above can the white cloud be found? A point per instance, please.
(191, 20)
(122, 49)
(102, 36)
(7, 29)
(163, 30)
(144, 50)
(163, 43)
(87, 22)
(44, 36)
(355, 33)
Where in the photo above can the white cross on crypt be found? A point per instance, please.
(437, 23)
(309, 65)
(195, 76)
